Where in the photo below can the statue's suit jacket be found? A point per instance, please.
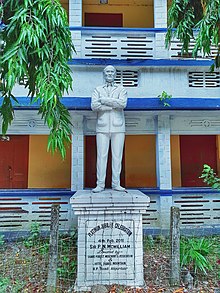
(110, 121)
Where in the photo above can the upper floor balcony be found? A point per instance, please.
(128, 43)
(123, 29)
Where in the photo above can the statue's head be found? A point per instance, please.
(109, 73)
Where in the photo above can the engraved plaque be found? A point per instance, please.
(110, 253)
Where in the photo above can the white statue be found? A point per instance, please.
(108, 101)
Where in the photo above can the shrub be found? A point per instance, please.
(2, 241)
(195, 254)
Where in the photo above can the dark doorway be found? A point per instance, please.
(104, 19)
(14, 161)
(195, 151)
(90, 165)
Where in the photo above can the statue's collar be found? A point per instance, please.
(111, 84)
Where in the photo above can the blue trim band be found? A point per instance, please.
(181, 190)
(122, 29)
(134, 104)
(141, 62)
(41, 192)
(147, 191)
(117, 29)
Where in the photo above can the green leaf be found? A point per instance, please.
(184, 16)
(38, 47)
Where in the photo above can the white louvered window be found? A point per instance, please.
(127, 78)
(204, 79)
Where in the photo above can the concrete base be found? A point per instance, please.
(110, 248)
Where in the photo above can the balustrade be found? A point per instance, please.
(129, 43)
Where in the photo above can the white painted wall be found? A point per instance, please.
(143, 122)
(152, 81)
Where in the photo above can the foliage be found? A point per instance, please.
(186, 15)
(210, 177)
(67, 262)
(148, 242)
(181, 17)
(44, 248)
(67, 267)
(218, 271)
(35, 241)
(4, 282)
(2, 241)
(164, 98)
(13, 286)
(38, 45)
(159, 243)
(21, 266)
(195, 254)
(34, 235)
(1, 10)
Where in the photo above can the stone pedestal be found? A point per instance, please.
(110, 246)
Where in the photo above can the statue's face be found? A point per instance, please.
(109, 73)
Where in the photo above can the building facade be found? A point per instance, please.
(167, 141)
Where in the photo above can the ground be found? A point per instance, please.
(23, 267)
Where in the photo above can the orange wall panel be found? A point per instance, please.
(140, 161)
(65, 4)
(47, 170)
(175, 161)
(135, 13)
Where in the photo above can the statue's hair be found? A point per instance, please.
(108, 67)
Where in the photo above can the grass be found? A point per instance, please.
(24, 263)
(199, 255)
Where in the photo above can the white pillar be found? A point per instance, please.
(160, 13)
(163, 155)
(77, 178)
(75, 12)
(160, 21)
(75, 19)
(163, 152)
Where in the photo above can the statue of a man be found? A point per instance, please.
(108, 101)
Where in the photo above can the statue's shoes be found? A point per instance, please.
(97, 189)
(118, 188)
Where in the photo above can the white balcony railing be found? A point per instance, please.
(102, 45)
(176, 46)
(127, 43)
